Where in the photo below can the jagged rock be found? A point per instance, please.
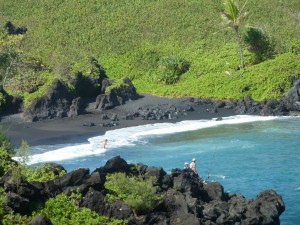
(187, 182)
(76, 108)
(16, 203)
(40, 220)
(55, 168)
(119, 210)
(105, 83)
(117, 96)
(95, 201)
(265, 209)
(73, 178)
(116, 164)
(156, 172)
(18, 186)
(12, 105)
(55, 103)
(175, 203)
(187, 199)
(213, 191)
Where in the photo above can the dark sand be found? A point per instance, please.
(69, 130)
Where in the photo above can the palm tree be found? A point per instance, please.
(233, 16)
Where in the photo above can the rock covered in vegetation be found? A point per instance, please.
(187, 199)
(10, 104)
(117, 95)
(55, 103)
(89, 86)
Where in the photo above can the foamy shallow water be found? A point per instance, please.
(246, 154)
(128, 137)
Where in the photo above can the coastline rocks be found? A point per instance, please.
(55, 103)
(117, 96)
(77, 107)
(187, 198)
(12, 104)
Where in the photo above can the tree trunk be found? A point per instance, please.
(240, 46)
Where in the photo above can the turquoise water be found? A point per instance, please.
(245, 154)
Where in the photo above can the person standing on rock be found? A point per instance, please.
(193, 166)
(186, 166)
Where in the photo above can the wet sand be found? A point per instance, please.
(77, 129)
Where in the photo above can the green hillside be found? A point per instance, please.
(148, 40)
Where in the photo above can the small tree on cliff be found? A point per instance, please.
(233, 17)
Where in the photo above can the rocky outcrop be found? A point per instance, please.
(117, 95)
(55, 103)
(187, 198)
(11, 104)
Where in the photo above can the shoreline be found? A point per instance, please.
(79, 129)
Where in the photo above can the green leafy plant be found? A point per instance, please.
(171, 68)
(40, 173)
(138, 193)
(15, 219)
(6, 152)
(64, 210)
(294, 47)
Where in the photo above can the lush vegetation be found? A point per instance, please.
(61, 209)
(140, 194)
(167, 47)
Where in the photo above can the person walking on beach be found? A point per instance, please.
(193, 166)
(105, 143)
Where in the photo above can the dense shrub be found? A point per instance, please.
(259, 44)
(294, 47)
(170, 69)
(40, 173)
(64, 210)
(140, 194)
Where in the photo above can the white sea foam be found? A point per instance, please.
(131, 136)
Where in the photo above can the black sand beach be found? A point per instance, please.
(78, 129)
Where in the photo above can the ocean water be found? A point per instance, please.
(246, 154)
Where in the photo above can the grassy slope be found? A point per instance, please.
(128, 36)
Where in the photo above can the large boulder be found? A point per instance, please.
(291, 100)
(94, 200)
(55, 103)
(178, 209)
(265, 209)
(213, 191)
(16, 203)
(117, 96)
(115, 164)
